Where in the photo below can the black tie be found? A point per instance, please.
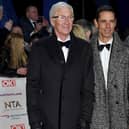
(67, 44)
(100, 47)
(34, 23)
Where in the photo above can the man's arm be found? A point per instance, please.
(33, 89)
(87, 92)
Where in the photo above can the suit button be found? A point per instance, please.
(117, 102)
(115, 86)
(41, 92)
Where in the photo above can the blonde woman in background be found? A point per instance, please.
(78, 31)
(88, 27)
(14, 57)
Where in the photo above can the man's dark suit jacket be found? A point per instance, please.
(27, 28)
(59, 94)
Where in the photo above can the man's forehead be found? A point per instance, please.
(106, 13)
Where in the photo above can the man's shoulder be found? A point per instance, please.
(44, 41)
(24, 20)
(80, 41)
(125, 47)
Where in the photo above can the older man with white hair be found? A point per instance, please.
(60, 80)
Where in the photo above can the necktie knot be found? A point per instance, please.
(101, 47)
(67, 44)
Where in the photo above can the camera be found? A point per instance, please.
(40, 20)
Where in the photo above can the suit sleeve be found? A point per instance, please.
(33, 88)
(87, 91)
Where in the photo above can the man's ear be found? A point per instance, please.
(95, 23)
(52, 21)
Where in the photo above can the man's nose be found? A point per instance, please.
(108, 25)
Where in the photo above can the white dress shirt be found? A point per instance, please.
(105, 57)
(65, 49)
(32, 22)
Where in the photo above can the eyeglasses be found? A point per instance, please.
(63, 18)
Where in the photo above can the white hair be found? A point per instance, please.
(58, 5)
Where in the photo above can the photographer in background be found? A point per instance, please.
(31, 21)
(27, 23)
(41, 27)
(40, 30)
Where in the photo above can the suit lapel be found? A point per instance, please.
(100, 90)
(73, 51)
(55, 51)
(98, 64)
(115, 59)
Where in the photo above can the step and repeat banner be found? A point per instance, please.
(13, 111)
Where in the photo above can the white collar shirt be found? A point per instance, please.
(105, 57)
(32, 22)
(64, 49)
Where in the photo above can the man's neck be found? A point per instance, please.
(105, 40)
(64, 38)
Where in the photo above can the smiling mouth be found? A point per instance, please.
(107, 31)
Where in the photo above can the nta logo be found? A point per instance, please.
(12, 105)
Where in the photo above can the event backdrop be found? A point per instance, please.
(9, 12)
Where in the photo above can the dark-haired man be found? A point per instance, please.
(111, 68)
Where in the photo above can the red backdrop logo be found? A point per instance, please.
(18, 126)
(8, 83)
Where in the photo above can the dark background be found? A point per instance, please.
(83, 9)
(20, 5)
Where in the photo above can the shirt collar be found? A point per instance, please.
(67, 39)
(32, 21)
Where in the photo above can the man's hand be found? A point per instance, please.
(8, 25)
(22, 71)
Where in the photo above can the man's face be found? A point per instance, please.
(62, 22)
(106, 25)
(33, 13)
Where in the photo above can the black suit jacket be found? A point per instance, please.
(59, 94)
(27, 28)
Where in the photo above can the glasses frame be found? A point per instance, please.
(63, 18)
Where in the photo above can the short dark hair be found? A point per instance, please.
(104, 8)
